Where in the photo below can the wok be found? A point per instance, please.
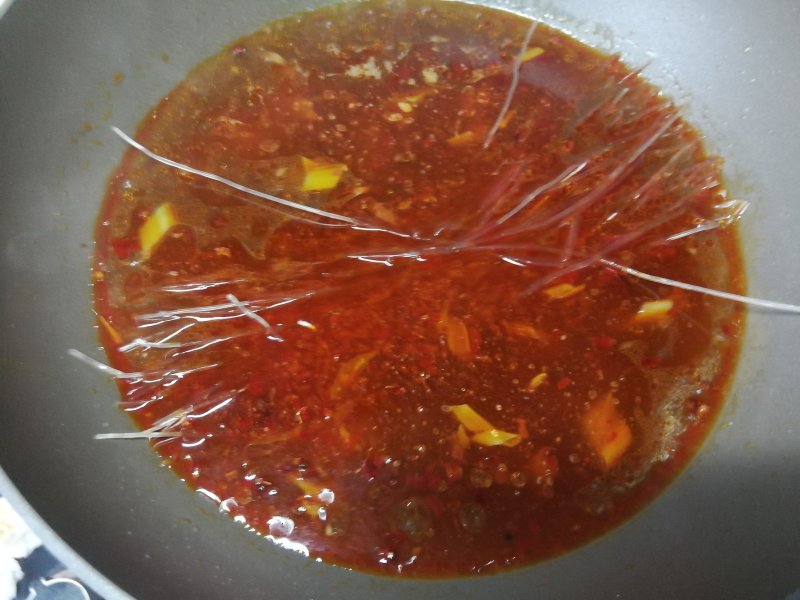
(729, 527)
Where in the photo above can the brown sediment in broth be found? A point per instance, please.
(327, 425)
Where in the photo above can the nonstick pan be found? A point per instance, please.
(727, 528)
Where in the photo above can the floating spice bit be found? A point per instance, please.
(507, 119)
(345, 435)
(321, 175)
(470, 419)
(307, 487)
(607, 431)
(414, 98)
(259, 444)
(273, 57)
(461, 437)
(484, 433)
(314, 497)
(160, 221)
(531, 53)
(458, 338)
(653, 310)
(348, 371)
(484, 72)
(536, 381)
(523, 330)
(563, 290)
(112, 332)
(496, 437)
(544, 464)
(464, 138)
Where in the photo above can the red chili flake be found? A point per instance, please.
(564, 382)
(649, 362)
(371, 466)
(218, 220)
(453, 471)
(730, 329)
(124, 248)
(243, 423)
(257, 387)
(544, 462)
(522, 429)
(664, 252)
(403, 72)
(475, 340)
(604, 342)
(458, 69)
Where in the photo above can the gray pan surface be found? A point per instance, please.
(729, 527)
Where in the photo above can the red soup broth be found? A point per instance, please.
(447, 380)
